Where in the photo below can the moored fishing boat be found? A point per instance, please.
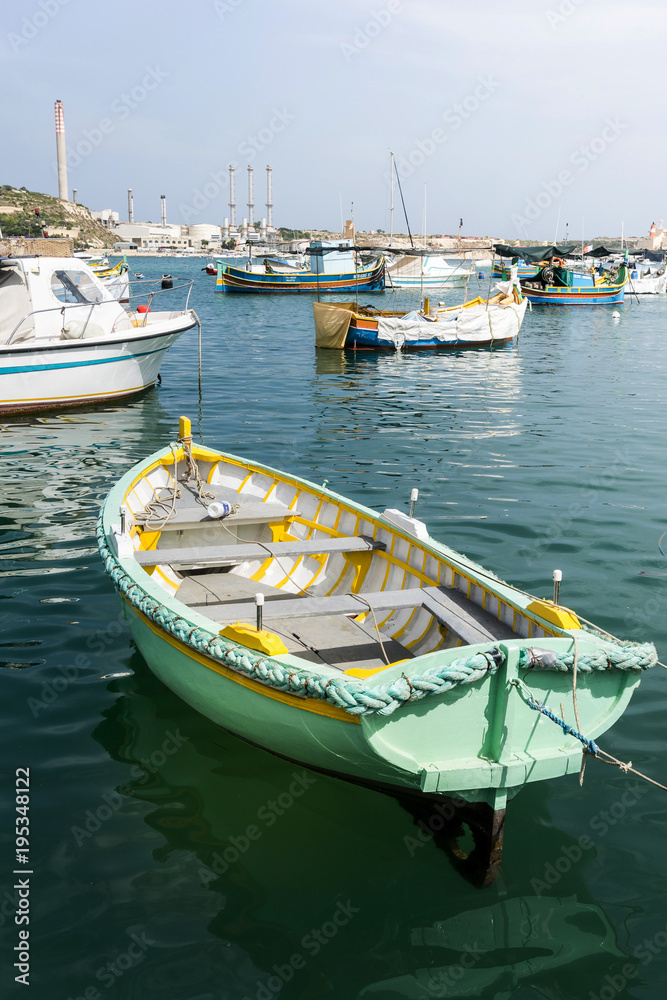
(478, 323)
(353, 641)
(556, 285)
(333, 268)
(65, 340)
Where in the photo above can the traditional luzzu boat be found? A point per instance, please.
(66, 341)
(333, 268)
(477, 323)
(351, 641)
(556, 284)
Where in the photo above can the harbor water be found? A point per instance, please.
(171, 861)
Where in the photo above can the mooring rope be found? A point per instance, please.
(591, 748)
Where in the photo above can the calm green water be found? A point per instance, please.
(170, 860)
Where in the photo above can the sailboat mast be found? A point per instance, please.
(391, 198)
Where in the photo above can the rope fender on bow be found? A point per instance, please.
(351, 695)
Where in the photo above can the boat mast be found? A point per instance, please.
(405, 211)
(391, 198)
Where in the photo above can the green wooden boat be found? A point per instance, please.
(352, 641)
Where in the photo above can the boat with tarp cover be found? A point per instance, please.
(353, 641)
(479, 322)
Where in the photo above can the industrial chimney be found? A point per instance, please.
(251, 198)
(269, 198)
(130, 206)
(232, 197)
(163, 208)
(61, 151)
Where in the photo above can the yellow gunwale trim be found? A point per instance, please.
(199, 451)
(293, 700)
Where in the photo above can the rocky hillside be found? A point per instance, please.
(59, 218)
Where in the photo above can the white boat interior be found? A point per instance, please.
(47, 299)
(343, 588)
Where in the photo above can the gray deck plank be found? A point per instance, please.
(191, 513)
(309, 607)
(470, 611)
(218, 555)
(461, 620)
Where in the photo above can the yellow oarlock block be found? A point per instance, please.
(262, 641)
(556, 614)
(363, 672)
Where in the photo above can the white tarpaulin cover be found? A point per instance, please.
(475, 324)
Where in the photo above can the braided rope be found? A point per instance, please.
(346, 693)
(620, 656)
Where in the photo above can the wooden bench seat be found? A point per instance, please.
(470, 623)
(190, 513)
(225, 555)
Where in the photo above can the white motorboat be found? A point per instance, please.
(647, 280)
(428, 271)
(66, 341)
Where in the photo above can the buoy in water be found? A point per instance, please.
(616, 314)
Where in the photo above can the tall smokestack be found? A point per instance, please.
(61, 151)
(251, 198)
(269, 197)
(163, 208)
(232, 196)
(130, 206)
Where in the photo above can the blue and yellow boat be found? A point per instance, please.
(555, 285)
(332, 268)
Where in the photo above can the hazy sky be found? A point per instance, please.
(499, 112)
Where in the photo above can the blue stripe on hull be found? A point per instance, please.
(574, 299)
(368, 340)
(79, 364)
